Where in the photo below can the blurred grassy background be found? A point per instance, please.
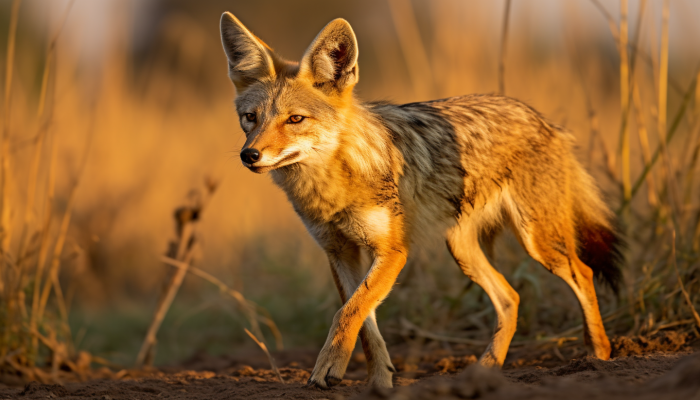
(141, 88)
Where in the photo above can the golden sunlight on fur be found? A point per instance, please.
(386, 177)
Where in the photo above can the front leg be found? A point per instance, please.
(347, 322)
(346, 267)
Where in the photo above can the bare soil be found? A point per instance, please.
(665, 366)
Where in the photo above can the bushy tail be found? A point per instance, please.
(600, 244)
(600, 247)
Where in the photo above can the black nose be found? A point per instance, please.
(250, 156)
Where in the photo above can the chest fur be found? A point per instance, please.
(317, 195)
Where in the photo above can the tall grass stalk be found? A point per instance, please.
(624, 103)
(413, 48)
(5, 166)
(644, 143)
(668, 136)
(504, 45)
(45, 115)
(5, 173)
(24, 330)
(662, 109)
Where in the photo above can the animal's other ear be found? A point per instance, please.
(248, 57)
(331, 60)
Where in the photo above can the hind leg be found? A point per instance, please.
(558, 255)
(463, 242)
(593, 329)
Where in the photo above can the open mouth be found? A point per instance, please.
(281, 163)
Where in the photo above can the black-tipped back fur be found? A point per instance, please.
(601, 249)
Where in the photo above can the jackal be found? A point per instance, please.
(383, 177)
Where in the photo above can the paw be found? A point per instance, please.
(489, 360)
(603, 349)
(381, 376)
(330, 368)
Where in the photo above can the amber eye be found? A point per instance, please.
(295, 119)
(250, 117)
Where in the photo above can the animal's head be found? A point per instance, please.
(290, 112)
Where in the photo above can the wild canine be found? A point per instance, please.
(381, 176)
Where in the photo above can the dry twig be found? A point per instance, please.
(185, 218)
(267, 353)
(249, 308)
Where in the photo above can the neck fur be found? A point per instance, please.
(361, 159)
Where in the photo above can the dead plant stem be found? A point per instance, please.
(412, 46)
(668, 137)
(244, 304)
(624, 103)
(502, 54)
(267, 353)
(164, 305)
(5, 166)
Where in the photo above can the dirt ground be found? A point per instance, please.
(666, 366)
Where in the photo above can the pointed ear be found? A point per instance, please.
(331, 60)
(248, 57)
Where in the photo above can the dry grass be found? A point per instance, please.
(29, 275)
(180, 255)
(95, 155)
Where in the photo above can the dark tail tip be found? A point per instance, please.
(601, 249)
